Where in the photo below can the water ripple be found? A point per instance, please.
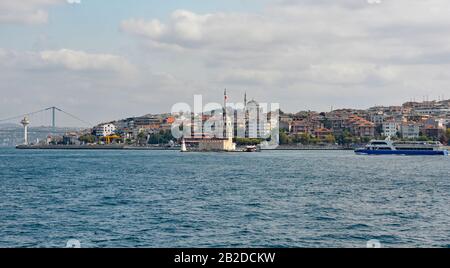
(268, 199)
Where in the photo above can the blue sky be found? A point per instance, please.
(109, 59)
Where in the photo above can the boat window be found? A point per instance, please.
(415, 149)
(379, 143)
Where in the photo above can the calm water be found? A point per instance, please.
(269, 199)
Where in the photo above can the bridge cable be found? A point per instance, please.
(23, 115)
(74, 117)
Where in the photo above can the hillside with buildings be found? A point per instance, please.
(428, 120)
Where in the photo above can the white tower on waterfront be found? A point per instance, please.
(183, 146)
(25, 122)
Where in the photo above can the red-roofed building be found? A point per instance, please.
(359, 126)
(323, 133)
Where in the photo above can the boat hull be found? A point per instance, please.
(401, 152)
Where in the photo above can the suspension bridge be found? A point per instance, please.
(44, 112)
(42, 123)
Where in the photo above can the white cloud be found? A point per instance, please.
(25, 11)
(82, 61)
(305, 54)
(74, 2)
(188, 29)
(152, 29)
(295, 45)
(96, 87)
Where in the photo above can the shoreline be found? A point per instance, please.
(144, 148)
(90, 147)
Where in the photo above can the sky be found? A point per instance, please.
(109, 59)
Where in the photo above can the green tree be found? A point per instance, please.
(284, 138)
(87, 138)
(330, 138)
(423, 138)
(304, 138)
(314, 140)
(162, 137)
(247, 141)
(446, 139)
(141, 138)
(346, 138)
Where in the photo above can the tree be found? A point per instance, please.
(87, 138)
(163, 137)
(284, 138)
(247, 141)
(330, 138)
(314, 140)
(304, 138)
(447, 136)
(141, 138)
(423, 138)
(346, 138)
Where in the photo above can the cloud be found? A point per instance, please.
(354, 47)
(95, 86)
(25, 11)
(152, 29)
(190, 30)
(82, 61)
(305, 54)
(74, 1)
(66, 60)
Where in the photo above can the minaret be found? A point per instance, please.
(225, 119)
(25, 122)
(245, 116)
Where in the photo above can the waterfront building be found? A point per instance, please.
(386, 110)
(253, 113)
(410, 130)
(390, 128)
(360, 127)
(364, 130)
(434, 133)
(430, 108)
(147, 122)
(433, 122)
(436, 111)
(71, 139)
(104, 130)
(336, 123)
(323, 133)
(378, 118)
(307, 126)
(217, 145)
(285, 123)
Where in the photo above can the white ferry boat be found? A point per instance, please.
(388, 147)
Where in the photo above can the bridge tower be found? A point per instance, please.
(53, 117)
